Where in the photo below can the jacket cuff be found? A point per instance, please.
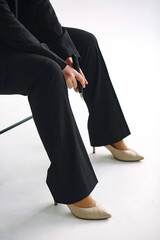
(60, 61)
(65, 47)
(63, 64)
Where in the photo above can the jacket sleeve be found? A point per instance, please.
(18, 37)
(51, 31)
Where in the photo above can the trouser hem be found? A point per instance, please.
(78, 197)
(102, 141)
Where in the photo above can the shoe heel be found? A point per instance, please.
(94, 149)
(55, 203)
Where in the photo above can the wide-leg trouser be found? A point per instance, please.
(106, 121)
(70, 176)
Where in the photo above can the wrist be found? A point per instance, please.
(69, 61)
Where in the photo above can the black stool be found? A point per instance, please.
(15, 125)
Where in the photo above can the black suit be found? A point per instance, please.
(33, 52)
(37, 26)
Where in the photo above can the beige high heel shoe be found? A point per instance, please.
(129, 155)
(96, 212)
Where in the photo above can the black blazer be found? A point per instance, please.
(32, 26)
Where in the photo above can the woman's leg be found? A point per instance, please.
(106, 122)
(70, 176)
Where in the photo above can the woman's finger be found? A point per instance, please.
(69, 83)
(76, 89)
(83, 76)
(74, 82)
(79, 77)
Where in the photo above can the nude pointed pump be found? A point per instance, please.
(129, 155)
(96, 212)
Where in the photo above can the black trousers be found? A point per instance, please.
(70, 176)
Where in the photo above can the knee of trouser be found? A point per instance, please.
(51, 68)
(51, 71)
(47, 73)
(90, 39)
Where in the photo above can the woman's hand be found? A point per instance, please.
(69, 60)
(71, 75)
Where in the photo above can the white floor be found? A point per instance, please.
(128, 35)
